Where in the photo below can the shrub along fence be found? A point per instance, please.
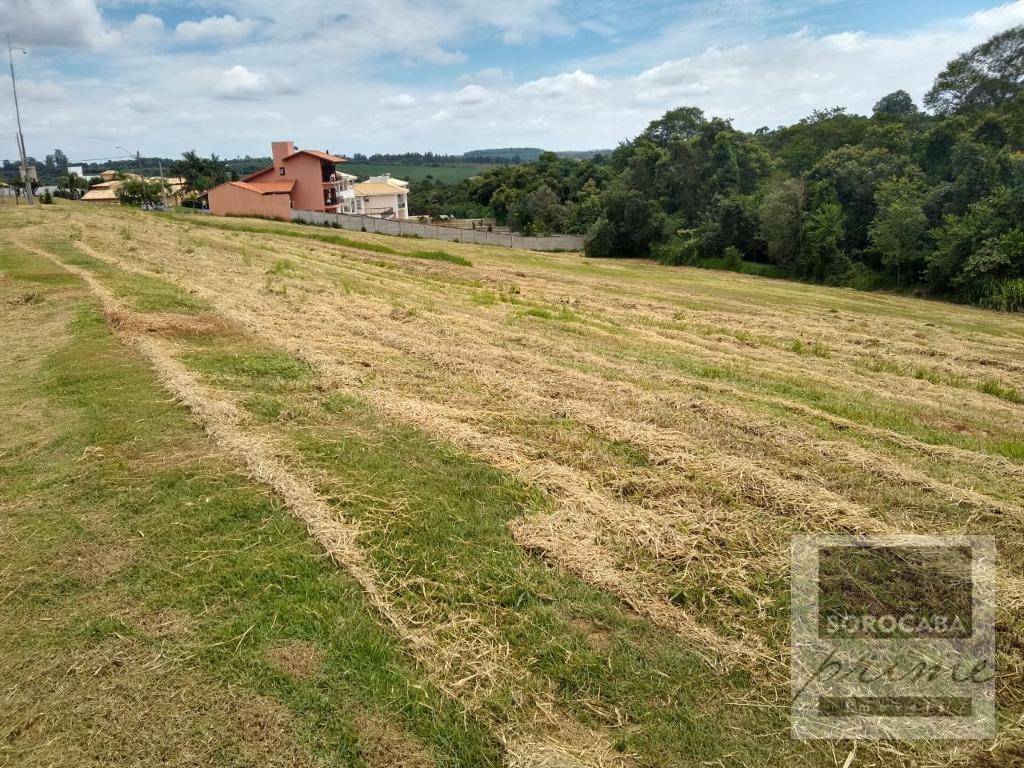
(438, 232)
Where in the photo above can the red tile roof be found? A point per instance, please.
(257, 174)
(319, 154)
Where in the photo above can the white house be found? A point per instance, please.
(344, 191)
(382, 196)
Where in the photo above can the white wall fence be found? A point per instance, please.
(437, 232)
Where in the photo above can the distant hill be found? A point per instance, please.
(528, 154)
(511, 154)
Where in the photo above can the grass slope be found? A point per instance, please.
(639, 436)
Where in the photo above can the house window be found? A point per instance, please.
(280, 171)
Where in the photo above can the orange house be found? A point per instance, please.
(305, 179)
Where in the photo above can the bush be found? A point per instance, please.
(677, 252)
(733, 258)
(600, 242)
(860, 276)
(1006, 295)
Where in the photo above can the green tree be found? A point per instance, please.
(900, 230)
(628, 227)
(977, 250)
(851, 176)
(680, 124)
(781, 220)
(898, 104)
(723, 166)
(990, 75)
(199, 173)
(137, 191)
(823, 257)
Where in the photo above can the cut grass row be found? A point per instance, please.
(436, 521)
(141, 570)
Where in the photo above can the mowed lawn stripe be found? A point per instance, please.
(143, 572)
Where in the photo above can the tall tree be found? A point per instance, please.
(900, 230)
(898, 104)
(781, 220)
(990, 75)
(679, 124)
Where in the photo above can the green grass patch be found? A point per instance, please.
(147, 583)
(143, 292)
(281, 267)
(561, 313)
(1003, 392)
(744, 268)
(265, 407)
(286, 231)
(814, 348)
(451, 258)
(448, 174)
(255, 367)
(483, 298)
(341, 403)
(450, 535)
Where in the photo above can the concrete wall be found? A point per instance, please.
(435, 232)
(229, 200)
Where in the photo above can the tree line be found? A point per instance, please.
(930, 202)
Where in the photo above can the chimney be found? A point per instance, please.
(280, 150)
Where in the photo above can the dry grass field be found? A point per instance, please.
(563, 490)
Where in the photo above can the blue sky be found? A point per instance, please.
(229, 76)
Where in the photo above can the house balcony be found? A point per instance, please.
(339, 188)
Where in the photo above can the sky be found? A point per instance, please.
(229, 76)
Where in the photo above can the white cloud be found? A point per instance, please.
(215, 29)
(997, 19)
(361, 71)
(62, 23)
(777, 80)
(470, 95)
(489, 75)
(562, 84)
(42, 91)
(401, 100)
(240, 82)
(141, 103)
(145, 25)
(438, 55)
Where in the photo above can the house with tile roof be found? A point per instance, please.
(382, 196)
(306, 179)
(105, 193)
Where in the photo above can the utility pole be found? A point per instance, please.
(142, 179)
(163, 186)
(21, 138)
